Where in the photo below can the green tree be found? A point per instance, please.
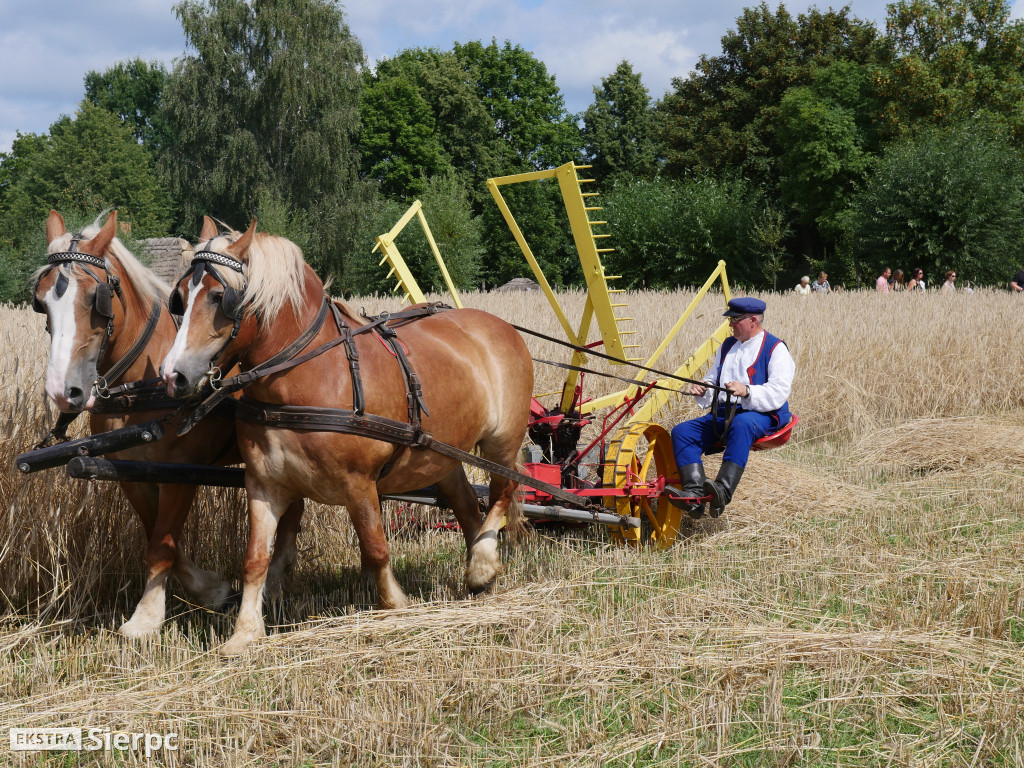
(826, 140)
(645, 231)
(951, 198)
(14, 164)
(619, 127)
(769, 235)
(534, 132)
(85, 164)
(268, 98)
(526, 105)
(723, 117)
(400, 146)
(422, 114)
(955, 59)
(457, 233)
(668, 233)
(132, 90)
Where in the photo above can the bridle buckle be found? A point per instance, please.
(215, 375)
(101, 389)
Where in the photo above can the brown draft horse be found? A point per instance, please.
(78, 323)
(476, 375)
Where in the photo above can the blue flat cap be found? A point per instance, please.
(744, 306)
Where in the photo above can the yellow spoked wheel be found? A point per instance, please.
(637, 455)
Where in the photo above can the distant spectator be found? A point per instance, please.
(917, 281)
(882, 283)
(950, 285)
(804, 289)
(897, 283)
(1017, 283)
(821, 284)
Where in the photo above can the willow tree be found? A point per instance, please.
(265, 107)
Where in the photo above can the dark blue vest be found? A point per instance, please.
(758, 372)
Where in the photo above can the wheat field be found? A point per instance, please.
(859, 605)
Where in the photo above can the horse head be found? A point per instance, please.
(76, 292)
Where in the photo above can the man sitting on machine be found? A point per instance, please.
(758, 371)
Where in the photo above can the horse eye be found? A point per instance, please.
(216, 296)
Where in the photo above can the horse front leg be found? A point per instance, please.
(265, 510)
(162, 554)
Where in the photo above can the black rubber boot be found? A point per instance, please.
(722, 488)
(693, 479)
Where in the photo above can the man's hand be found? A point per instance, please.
(738, 388)
(697, 389)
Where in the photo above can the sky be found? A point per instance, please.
(47, 46)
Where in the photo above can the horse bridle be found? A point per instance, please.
(103, 305)
(103, 302)
(230, 302)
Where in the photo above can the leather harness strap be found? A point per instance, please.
(285, 359)
(121, 366)
(345, 421)
(226, 387)
(355, 422)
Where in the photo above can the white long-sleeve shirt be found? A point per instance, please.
(763, 397)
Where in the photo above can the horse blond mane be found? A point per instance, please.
(273, 273)
(144, 282)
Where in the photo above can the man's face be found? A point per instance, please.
(887, 273)
(745, 327)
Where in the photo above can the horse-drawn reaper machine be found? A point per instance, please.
(444, 387)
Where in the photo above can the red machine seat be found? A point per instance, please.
(777, 438)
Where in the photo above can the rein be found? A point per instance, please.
(730, 405)
(613, 359)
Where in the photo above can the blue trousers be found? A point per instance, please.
(692, 438)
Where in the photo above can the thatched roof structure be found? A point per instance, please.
(519, 284)
(168, 257)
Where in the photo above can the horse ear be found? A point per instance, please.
(98, 245)
(54, 226)
(209, 229)
(241, 245)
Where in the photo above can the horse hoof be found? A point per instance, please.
(219, 596)
(483, 567)
(480, 588)
(134, 630)
(237, 645)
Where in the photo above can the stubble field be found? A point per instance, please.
(860, 604)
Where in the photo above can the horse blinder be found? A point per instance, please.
(175, 304)
(103, 301)
(229, 303)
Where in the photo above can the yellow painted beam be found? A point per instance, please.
(590, 259)
(406, 282)
(538, 273)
